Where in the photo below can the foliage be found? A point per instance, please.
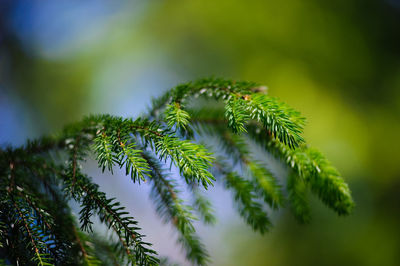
(38, 180)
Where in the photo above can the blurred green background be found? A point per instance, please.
(338, 62)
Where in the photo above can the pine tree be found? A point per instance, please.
(41, 178)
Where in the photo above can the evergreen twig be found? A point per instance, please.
(37, 184)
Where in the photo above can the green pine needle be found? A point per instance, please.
(39, 180)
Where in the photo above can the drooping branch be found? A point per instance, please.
(242, 114)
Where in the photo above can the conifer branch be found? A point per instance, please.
(203, 206)
(34, 196)
(175, 116)
(263, 181)
(172, 209)
(308, 164)
(243, 192)
(81, 247)
(113, 215)
(41, 258)
(106, 251)
(87, 252)
(316, 171)
(298, 198)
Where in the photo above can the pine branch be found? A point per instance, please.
(307, 163)
(272, 115)
(34, 237)
(107, 250)
(242, 100)
(134, 163)
(248, 206)
(103, 148)
(192, 159)
(298, 198)
(315, 170)
(203, 206)
(172, 209)
(175, 116)
(236, 114)
(36, 186)
(266, 185)
(31, 188)
(263, 181)
(114, 217)
(87, 253)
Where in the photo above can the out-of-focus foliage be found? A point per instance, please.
(335, 61)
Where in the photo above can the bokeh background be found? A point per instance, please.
(338, 62)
